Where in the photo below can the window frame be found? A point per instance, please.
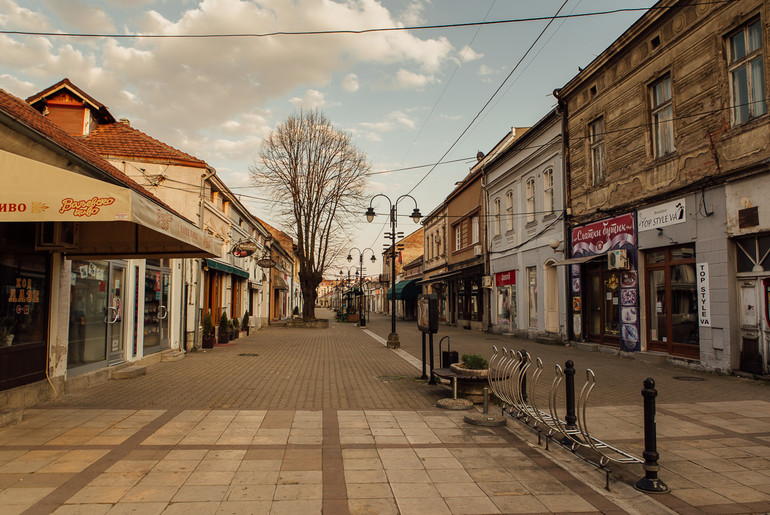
(658, 124)
(745, 62)
(596, 142)
(530, 192)
(548, 198)
(475, 229)
(497, 217)
(509, 211)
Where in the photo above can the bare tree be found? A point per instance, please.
(316, 177)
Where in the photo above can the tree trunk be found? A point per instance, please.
(308, 305)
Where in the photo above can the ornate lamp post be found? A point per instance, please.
(393, 340)
(361, 316)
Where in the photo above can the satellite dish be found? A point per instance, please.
(479, 156)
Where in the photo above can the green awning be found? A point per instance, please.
(405, 290)
(224, 267)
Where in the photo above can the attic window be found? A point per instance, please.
(655, 42)
(592, 91)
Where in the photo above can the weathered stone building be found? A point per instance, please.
(666, 166)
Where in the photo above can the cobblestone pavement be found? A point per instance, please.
(293, 420)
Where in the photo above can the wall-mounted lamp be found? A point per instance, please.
(660, 231)
(554, 244)
(205, 266)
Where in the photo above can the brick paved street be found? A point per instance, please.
(293, 420)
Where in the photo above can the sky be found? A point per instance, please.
(408, 98)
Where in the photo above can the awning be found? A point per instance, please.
(224, 267)
(405, 290)
(111, 221)
(579, 260)
(279, 283)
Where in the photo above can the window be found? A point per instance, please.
(662, 114)
(497, 217)
(746, 72)
(509, 211)
(548, 190)
(531, 199)
(596, 139)
(532, 295)
(475, 229)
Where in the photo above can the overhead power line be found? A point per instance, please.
(350, 31)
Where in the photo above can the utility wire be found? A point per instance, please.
(352, 31)
(490, 98)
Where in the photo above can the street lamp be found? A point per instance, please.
(361, 316)
(393, 340)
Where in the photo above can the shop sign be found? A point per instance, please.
(670, 213)
(23, 294)
(505, 278)
(599, 237)
(704, 295)
(85, 208)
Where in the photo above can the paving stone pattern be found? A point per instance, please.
(312, 421)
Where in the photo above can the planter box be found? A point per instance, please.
(208, 340)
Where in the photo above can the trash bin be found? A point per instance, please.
(449, 357)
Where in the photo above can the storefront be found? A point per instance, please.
(25, 278)
(506, 306)
(604, 282)
(466, 296)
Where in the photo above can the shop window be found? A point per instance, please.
(532, 295)
(662, 116)
(88, 312)
(672, 302)
(24, 293)
(744, 64)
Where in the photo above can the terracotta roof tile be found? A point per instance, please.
(28, 116)
(119, 140)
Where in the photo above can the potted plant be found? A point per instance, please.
(224, 329)
(245, 323)
(472, 374)
(209, 336)
(236, 325)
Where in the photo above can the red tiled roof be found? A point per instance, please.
(26, 115)
(119, 140)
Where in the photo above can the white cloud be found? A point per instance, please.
(16, 87)
(81, 16)
(350, 83)
(406, 79)
(413, 13)
(14, 17)
(467, 54)
(310, 100)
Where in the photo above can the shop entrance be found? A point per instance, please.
(603, 300)
(753, 264)
(156, 302)
(114, 315)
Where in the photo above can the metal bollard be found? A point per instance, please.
(650, 482)
(454, 388)
(569, 374)
(486, 400)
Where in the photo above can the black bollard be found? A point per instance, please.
(570, 418)
(424, 374)
(432, 377)
(650, 482)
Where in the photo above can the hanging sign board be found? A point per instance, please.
(244, 248)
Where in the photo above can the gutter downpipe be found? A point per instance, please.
(210, 172)
(487, 317)
(567, 199)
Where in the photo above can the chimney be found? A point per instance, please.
(125, 122)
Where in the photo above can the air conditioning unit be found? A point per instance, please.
(57, 235)
(486, 281)
(477, 250)
(617, 259)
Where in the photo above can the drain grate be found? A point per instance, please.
(689, 378)
(248, 354)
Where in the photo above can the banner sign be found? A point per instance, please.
(670, 213)
(704, 295)
(599, 237)
(505, 278)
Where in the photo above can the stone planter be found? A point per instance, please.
(470, 382)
